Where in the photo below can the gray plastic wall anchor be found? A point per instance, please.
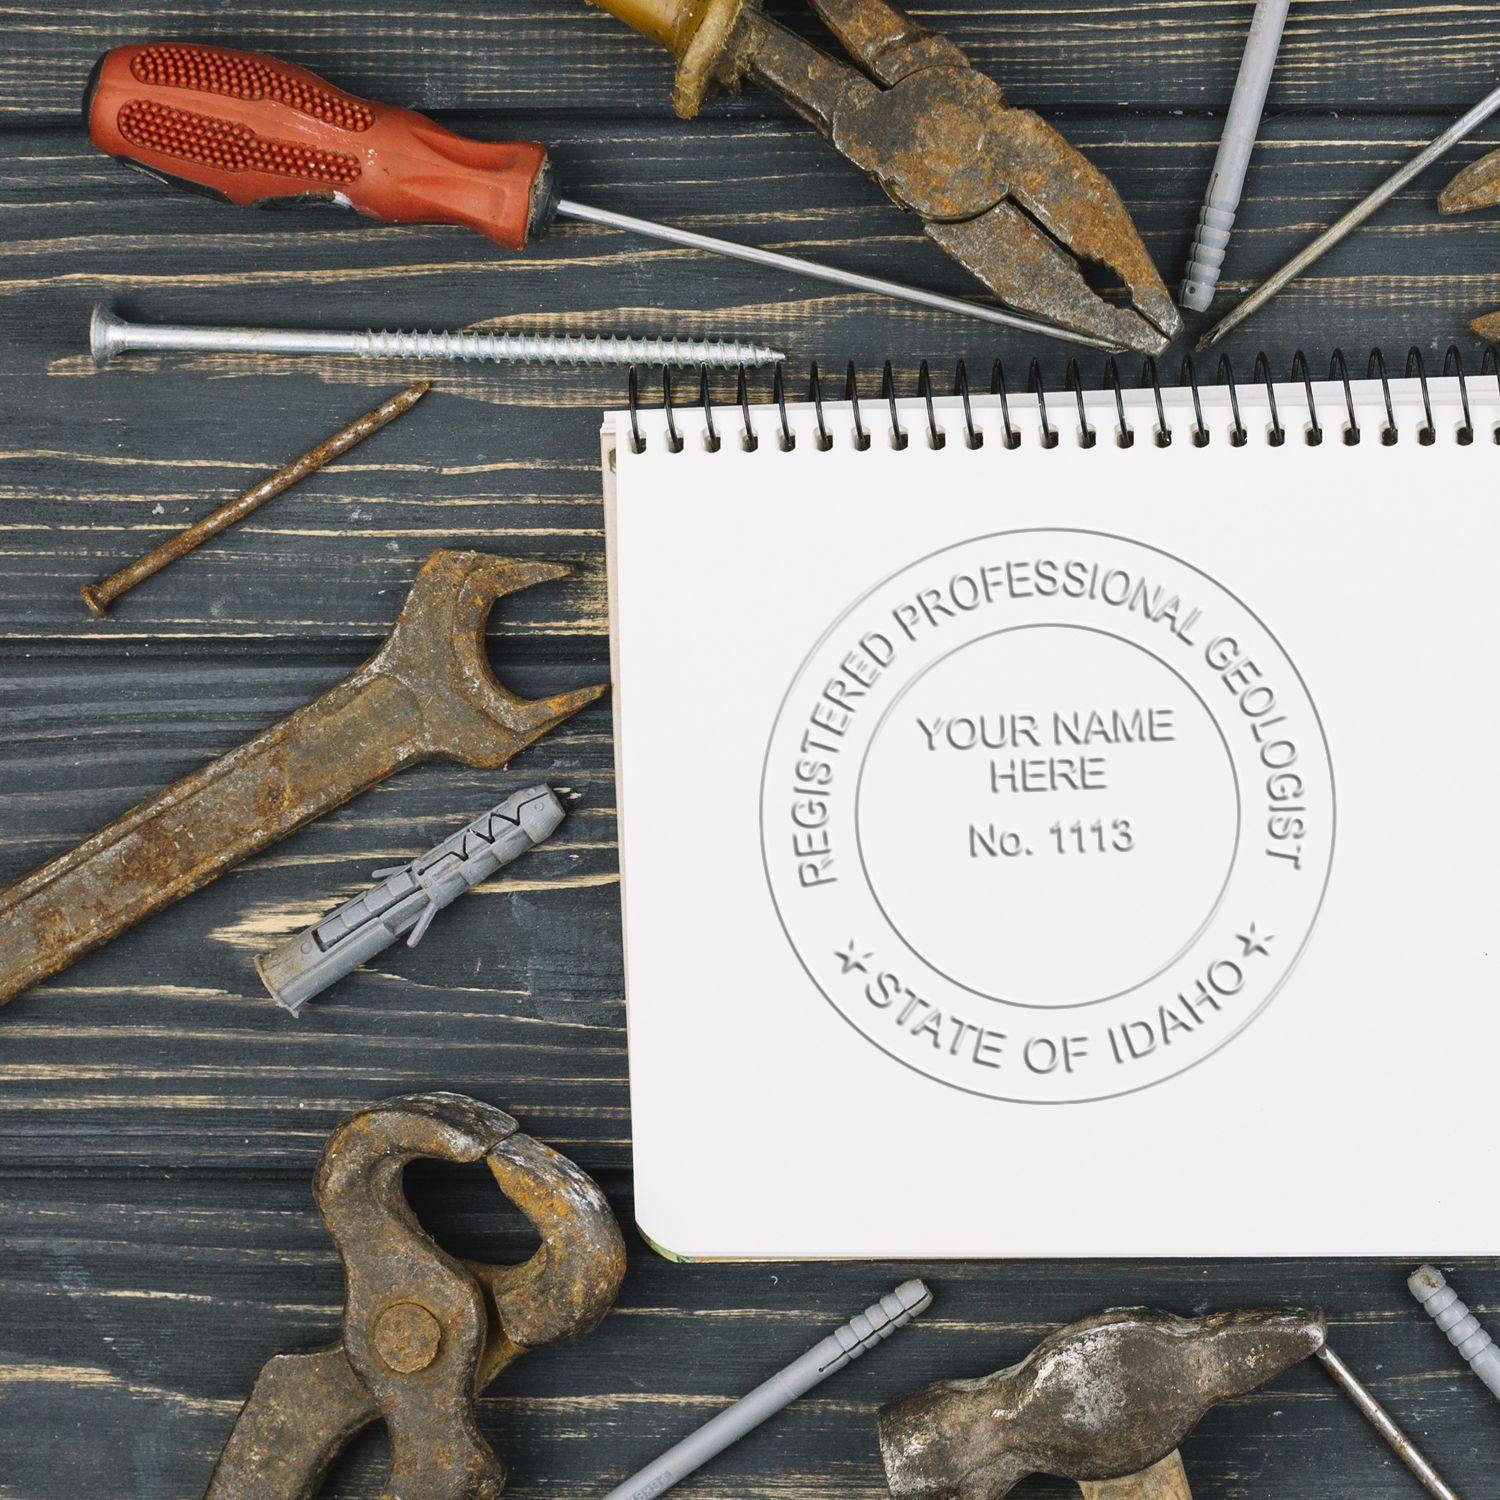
(844, 1345)
(1227, 181)
(407, 899)
(1431, 1289)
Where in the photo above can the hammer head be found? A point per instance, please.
(1104, 1398)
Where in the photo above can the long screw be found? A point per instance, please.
(1385, 1424)
(99, 596)
(1354, 218)
(1430, 1288)
(110, 335)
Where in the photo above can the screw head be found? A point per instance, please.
(106, 335)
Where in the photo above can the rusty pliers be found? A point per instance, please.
(1476, 187)
(996, 187)
(423, 1333)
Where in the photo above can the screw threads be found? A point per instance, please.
(1444, 1306)
(535, 349)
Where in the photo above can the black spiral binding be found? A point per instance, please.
(1124, 434)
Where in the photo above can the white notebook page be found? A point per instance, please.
(1062, 851)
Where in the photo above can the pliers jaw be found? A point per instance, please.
(996, 187)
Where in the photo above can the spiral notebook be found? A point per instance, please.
(1064, 824)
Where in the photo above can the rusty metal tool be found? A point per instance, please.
(1347, 223)
(429, 693)
(254, 130)
(996, 187)
(1476, 187)
(423, 1334)
(407, 899)
(1104, 1402)
(99, 596)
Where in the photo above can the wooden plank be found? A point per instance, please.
(93, 467)
(164, 1046)
(140, 1310)
(548, 57)
(159, 1116)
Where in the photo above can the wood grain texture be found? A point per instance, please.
(541, 58)
(159, 1116)
(125, 1287)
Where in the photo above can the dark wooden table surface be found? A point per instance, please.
(159, 1117)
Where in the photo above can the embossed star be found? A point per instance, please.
(1253, 942)
(853, 959)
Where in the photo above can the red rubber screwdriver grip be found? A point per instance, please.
(261, 132)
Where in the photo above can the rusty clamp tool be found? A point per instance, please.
(423, 1333)
(428, 694)
(998, 188)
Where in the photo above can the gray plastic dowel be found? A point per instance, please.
(1431, 1289)
(1227, 182)
(894, 1310)
(407, 899)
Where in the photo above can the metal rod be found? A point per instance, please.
(880, 287)
(99, 596)
(111, 335)
(1354, 218)
(1385, 1425)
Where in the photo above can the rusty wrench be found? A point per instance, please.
(428, 694)
(423, 1333)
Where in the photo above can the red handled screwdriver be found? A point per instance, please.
(255, 131)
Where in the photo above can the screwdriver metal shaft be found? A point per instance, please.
(1356, 216)
(754, 255)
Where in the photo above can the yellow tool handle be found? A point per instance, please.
(670, 22)
(700, 34)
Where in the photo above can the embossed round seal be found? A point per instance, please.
(1048, 815)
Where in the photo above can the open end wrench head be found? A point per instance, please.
(438, 650)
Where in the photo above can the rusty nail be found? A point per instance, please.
(99, 596)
